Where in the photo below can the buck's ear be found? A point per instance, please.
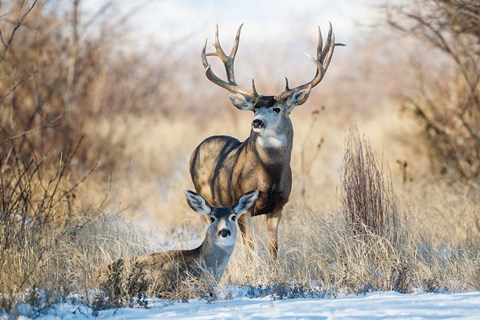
(298, 97)
(241, 102)
(245, 202)
(198, 203)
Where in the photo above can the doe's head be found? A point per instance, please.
(223, 228)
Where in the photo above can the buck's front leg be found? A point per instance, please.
(244, 223)
(273, 220)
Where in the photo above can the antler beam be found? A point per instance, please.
(324, 56)
(322, 61)
(228, 62)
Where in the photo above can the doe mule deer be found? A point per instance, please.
(165, 274)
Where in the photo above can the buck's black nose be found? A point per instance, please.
(224, 233)
(257, 124)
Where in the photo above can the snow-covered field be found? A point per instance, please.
(377, 305)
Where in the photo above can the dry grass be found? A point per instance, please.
(367, 197)
(327, 258)
(427, 243)
(55, 233)
(319, 253)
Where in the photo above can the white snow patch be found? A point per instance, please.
(377, 305)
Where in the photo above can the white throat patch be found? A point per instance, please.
(274, 141)
(226, 242)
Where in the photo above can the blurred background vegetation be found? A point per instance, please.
(97, 125)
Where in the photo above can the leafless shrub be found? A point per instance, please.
(367, 195)
(48, 83)
(37, 215)
(62, 75)
(49, 241)
(447, 106)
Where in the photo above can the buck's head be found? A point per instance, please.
(271, 112)
(223, 228)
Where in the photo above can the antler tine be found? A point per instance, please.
(204, 56)
(228, 62)
(319, 43)
(218, 49)
(324, 56)
(329, 55)
(328, 44)
(236, 43)
(254, 90)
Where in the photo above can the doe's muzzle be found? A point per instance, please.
(224, 233)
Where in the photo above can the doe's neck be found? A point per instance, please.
(215, 257)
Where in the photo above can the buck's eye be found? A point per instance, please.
(234, 217)
(276, 110)
(212, 219)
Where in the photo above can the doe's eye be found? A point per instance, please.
(234, 217)
(276, 110)
(212, 219)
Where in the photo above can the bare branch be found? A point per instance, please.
(451, 119)
(51, 124)
(20, 20)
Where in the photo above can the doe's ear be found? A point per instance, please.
(240, 102)
(245, 202)
(198, 203)
(298, 97)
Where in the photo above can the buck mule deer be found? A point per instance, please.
(222, 168)
(161, 274)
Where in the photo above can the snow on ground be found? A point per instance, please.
(378, 305)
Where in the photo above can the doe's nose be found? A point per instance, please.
(257, 124)
(224, 233)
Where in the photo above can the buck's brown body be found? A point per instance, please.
(223, 169)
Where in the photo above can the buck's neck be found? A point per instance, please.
(273, 146)
(215, 257)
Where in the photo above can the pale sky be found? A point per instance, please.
(272, 21)
(275, 32)
(267, 18)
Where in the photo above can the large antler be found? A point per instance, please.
(228, 62)
(324, 56)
